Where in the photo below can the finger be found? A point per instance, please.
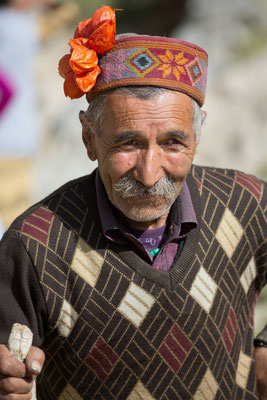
(6, 396)
(35, 360)
(9, 365)
(15, 385)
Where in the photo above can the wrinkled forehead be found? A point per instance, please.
(165, 111)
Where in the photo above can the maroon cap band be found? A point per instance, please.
(154, 61)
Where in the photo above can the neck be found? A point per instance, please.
(144, 225)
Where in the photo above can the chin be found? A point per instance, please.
(139, 215)
(143, 211)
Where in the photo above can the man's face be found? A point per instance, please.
(146, 141)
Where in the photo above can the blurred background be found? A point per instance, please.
(40, 134)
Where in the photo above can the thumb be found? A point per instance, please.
(35, 361)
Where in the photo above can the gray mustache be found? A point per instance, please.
(129, 187)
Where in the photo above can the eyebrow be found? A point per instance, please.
(132, 135)
(179, 134)
(125, 136)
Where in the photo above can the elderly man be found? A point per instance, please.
(138, 281)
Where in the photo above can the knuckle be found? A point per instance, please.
(4, 365)
(5, 396)
(15, 388)
(11, 397)
(6, 385)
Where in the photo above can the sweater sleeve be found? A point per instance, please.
(21, 298)
(262, 336)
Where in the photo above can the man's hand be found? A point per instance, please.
(260, 355)
(17, 378)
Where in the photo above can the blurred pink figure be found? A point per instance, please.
(19, 122)
(6, 91)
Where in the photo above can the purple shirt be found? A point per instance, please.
(182, 220)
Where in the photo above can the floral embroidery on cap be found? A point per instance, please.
(173, 64)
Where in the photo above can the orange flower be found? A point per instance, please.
(71, 88)
(93, 36)
(82, 59)
(100, 30)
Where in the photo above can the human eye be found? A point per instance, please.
(173, 143)
(129, 145)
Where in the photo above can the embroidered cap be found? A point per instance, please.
(154, 61)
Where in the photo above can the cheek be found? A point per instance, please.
(122, 162)
(179, 164)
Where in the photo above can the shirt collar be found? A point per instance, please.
(107, 216)
(182, 216)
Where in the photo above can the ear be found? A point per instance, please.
(88, 136)
(204, 116)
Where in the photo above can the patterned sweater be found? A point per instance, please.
(112, 327)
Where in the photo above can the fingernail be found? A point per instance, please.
(35, 366)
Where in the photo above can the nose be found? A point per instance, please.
(149, 169)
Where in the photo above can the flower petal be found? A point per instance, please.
(84, 29)
(83, 59)
(88, 26)
(167, 69)
(103, 38)
(71, 89)
(64, 66)
(181, 70)
(163, 67)
(169, 55)
(87, 80)
(164, 58)
(80, 68)
(176, 73)
(105, 13)
(180, 59)
(78, 42)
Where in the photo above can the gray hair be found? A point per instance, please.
(96, 109)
